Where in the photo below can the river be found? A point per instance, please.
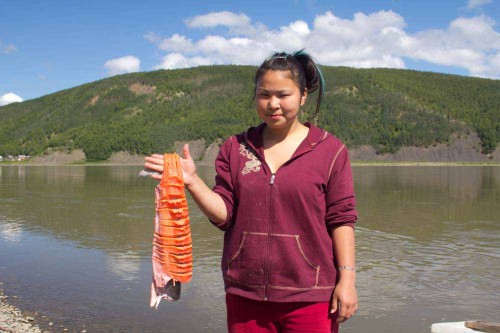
(75, 246)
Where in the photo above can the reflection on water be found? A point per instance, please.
(428, 249)
(126, 265)
(417, 201)
(12, 232)
(457, 183)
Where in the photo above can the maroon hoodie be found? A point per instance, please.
(277, 241)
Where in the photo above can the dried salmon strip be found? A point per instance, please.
(172, 244)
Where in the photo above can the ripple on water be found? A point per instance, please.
(436, 271)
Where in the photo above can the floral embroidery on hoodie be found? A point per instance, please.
(253, 164)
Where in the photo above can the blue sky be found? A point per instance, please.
(47, 46)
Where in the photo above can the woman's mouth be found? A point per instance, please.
(274, 116)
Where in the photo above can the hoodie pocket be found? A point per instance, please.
(247, 265)
(290, 267)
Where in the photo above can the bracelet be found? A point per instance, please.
(347, 268)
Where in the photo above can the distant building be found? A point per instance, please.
(22, 157)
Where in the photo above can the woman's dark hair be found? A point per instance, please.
(303, 69)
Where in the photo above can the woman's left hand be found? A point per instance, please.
(345, 299)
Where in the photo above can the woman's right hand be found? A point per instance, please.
(210, 203)
(155, 162)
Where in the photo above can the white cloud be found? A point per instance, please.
(177, 60)
(9, 48)
(152, 37)
(176, 43)
(288, 38)
(231, 50)
(374, 40)
(470, 43)
(493, 63)
(9, 98)
(127, 64)
(379, 39)
(473, 4)
(212, 20)
(238, 24)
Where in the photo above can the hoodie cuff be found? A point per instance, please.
(225, 225)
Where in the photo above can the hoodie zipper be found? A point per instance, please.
(271, 215)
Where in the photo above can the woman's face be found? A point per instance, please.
(278, 99)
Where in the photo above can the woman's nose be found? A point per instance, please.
(274, 102)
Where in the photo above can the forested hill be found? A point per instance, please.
(146, 112)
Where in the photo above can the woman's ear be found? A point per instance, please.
(303, 97)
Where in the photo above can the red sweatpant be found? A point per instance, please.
(248, 316)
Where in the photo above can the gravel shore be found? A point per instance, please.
(13, 321)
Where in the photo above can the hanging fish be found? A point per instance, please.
(172, 246)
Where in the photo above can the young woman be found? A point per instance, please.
(285, 201)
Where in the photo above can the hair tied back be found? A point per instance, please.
(321, 79)
(305, 72)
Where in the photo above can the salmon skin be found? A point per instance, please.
(172, 245)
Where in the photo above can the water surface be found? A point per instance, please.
(75, 246)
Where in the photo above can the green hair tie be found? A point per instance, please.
(303, 53)
(299, 52)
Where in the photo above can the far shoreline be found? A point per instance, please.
(201, 163)
(412, 164)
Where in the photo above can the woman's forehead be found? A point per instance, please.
(276, 80)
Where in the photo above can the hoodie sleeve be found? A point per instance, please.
(223, 182)
(340, 200)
